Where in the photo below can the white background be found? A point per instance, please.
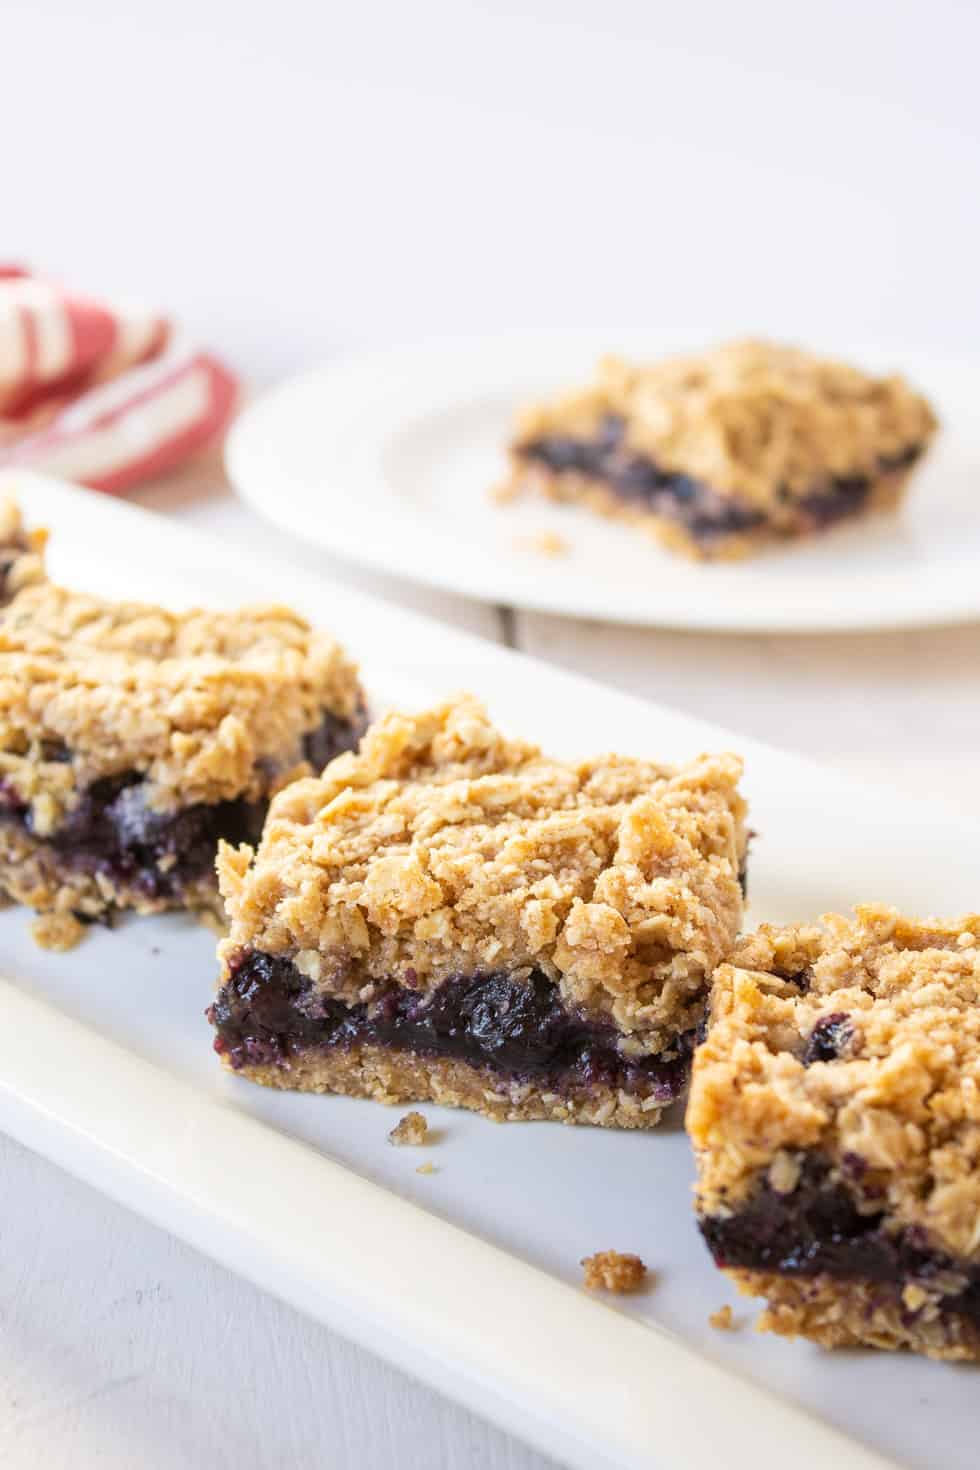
(296, 179)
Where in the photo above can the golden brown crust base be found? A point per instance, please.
(839, 1314)
(573, 487)
(390, 1076)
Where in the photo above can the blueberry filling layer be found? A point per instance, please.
(705, 514)
(333, 736)
(819, 1230)
(113, 832)
(267, 1012)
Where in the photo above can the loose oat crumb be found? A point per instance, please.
(427, 1168)
(723, 1320)
(613, 1271)
(545, 543)
(57, 931)
(412, 1129)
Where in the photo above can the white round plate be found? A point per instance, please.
(388, 459)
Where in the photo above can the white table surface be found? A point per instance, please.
(298, 178)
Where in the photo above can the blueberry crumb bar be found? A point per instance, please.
(449, 915)
(132, 739)
(718, 454)
(835, 1115)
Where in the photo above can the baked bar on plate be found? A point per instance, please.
(835, 1113)
(450, 915)
(719, 453)
(132, 739)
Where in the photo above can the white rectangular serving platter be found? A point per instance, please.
(468, 1277)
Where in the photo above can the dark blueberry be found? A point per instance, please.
(802, 979)
(10, 799)
(710, 515)
(829, 1039)
(333, 736)
(844, 498)
(112, 829)
(683, 489)
(510, 1021)
(846, 495)
(56, 752)
(634, 477)
(610, 432)
(134, 822)
(561, 452)
(854, 1167)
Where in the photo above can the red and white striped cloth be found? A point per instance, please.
(100, 393)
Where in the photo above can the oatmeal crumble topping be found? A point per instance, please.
(858, 1041)
(410, 1130)
(613, 1271)
(443, 847)
(204, 703)
(748, 417)
(723, 1320)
